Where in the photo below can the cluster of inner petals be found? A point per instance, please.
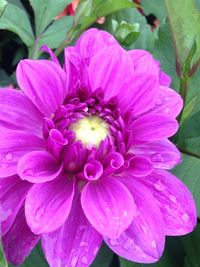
(87, 135)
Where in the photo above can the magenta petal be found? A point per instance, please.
(12, 194)
(169, 102)
(14, 145)
(163, 154)
(17, 112)
(76, 243)
(108, 205)
(93, 170)
(139, 93)
(47, 49)
(140, 166)
(38, 167)
(44, 82)
(144, 240)
(48, 205)
(144, 62)
(153, 127)
(175, 201)
(91, 42)
(19, 241)
(108, 68)
(164, 79)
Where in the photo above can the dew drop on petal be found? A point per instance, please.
(9, 156)
(39, 213)
(185, 217)
(159, 186)
(113, 242)
(153, 244)
(84, 260)
(74, 261)
(173, 198)
(4, 165)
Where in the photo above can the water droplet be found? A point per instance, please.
(4, 165)
(185, 217)
(159, 102)
(144, 229)
(159, 186)
(40, 211)
(84, 260)
(128, 244)
(167, 110)
(113, 242)
(173, 198)
(83, 244)
(74, 261)
(28, 172)
(153, 244)
(8, 156)
(125, 213)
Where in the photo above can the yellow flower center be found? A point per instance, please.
(90, 130)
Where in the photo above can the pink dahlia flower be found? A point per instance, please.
(85, 153)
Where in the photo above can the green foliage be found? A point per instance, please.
(45, 11)
(3, 262)
(3, 4)
(184, 18)
(16, 20)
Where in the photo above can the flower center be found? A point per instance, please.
(90, 130)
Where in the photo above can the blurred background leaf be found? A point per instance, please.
(3, 4)
(3, 262)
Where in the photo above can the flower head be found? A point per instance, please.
(85, 153)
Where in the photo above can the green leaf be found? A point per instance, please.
(45, 11)
(16, 20)
(184, 18)
(3, 262)
(126, 33)
(103, 258)
(154, 7)
(3, 4)
(56, 33)
(163, 51)
(88, 12)
(189, 172)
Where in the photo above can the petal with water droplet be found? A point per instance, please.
(12, 194)
(175, 201)
(38, 167)
(144, 239)
(108, 205)
(48, 205)
(19, 240)
(76, 243)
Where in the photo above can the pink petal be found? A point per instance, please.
(44, 82)
(175, 201)
(163, 154)
(76, 243)
(169, 102)
(48, 205)
(144, 62)
(139, 93)
(164, 79)
(47, 49)
(19, 241)
(91, 42)
(17, 112)
(140, 166)
(108, 205)
(108, 69)
(14, 145)
(144, 240)
(93, 170)
(153, 127)
(12, 194)
(38, 167)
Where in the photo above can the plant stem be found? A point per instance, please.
(183, 93)
(34, 50)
